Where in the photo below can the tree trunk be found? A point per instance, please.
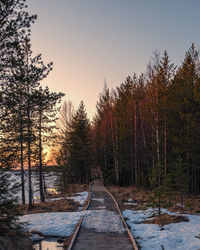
(142, 126)
(157, 129)
(165, 137)
(115, 153)
(116, 150)
(131, 165)
(135, 142)
(30, 205)
(29, 160)
(42, 198)
(22, 164)
(44, 184)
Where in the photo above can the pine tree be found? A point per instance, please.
(106, 156)
(8, 208)
(80, 151)
(14, 25)
(46, 112)
(21, 100)
(62, 137)
(184, 110)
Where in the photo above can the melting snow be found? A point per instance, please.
(53, 224)
(101, 207)
(80, 197)
(54, 199)
(130, 203)
(50, 179)
(182, 235)
(63, 223)
(36, 237)
(103, 221)
(98, 199)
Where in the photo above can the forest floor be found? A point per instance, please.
(176, 228)
(140, 199)
(57, 202)
(51, 223)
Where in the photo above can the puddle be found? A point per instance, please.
(48, 244)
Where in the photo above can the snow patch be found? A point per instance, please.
(81, 197)
(103, 221)
(98, 199)
(55, 199)
(130, 203)
(50, 179)
(52, 224)
(62, 224)
(36, 237)
(182, 235)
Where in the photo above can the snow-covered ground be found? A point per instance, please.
(62, 224)
(50, 179)
(80, 197)
(52, 224)
(182, 235)
(99, 199)
(59, 224)
(103, 221)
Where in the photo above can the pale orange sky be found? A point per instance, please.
(89, 40)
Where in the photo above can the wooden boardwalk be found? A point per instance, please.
(91, 238)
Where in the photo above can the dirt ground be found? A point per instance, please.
(62, 205)
(141, 198)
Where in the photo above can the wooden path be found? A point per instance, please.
(102, 212)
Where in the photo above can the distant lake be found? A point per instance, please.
(50, 183)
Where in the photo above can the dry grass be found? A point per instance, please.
(123, 194)
(62, 205)
(165, 219)
(141, 197)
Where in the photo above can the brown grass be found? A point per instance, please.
(63, 205)
(123, 194)
(165, 219)
(141, 196)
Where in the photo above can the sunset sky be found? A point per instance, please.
(88, 40)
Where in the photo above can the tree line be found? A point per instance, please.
(75, 148)
(147, 130)
(27, 110)
(144, 133)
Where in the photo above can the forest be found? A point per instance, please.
(27, 110)
(146, 132)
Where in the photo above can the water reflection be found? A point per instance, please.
(48, 244)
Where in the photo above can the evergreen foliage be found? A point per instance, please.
(148, 124)
(76, 149)
(27, 112)
(8, 209)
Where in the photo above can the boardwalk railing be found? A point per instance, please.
(124, 222)
(80, 221)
